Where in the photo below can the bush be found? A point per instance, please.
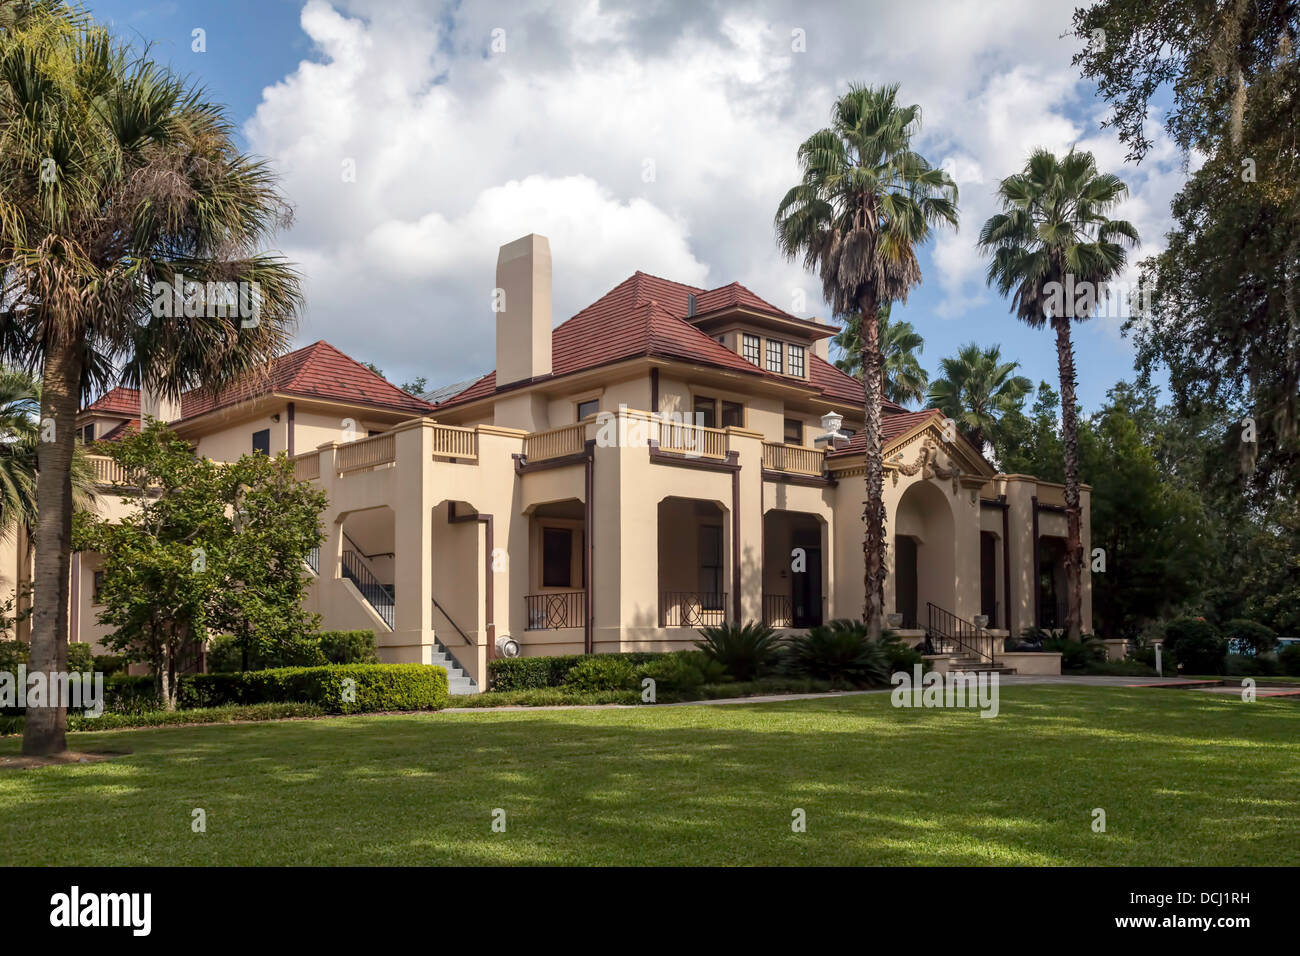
(109, 664)
(1250, 665)
(839, 652)
(601, 672)
(901, 656)
(529, 673)
(1197, 644)
(681, 672)
(377, 686)
(1288, 660)
(349, 647)
(224, 655)
(1077, 655)
(1249, 637)
(81, 657)
(746, 651)
(13, 653)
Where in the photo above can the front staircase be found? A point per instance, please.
(969, 648)
(458, 682)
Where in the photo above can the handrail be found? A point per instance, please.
(550, 610)
(454, 441)
(306, 466)
(366, 452)
(463, 636)
(796, 459)
(948, 627)
(690, 439)
(372, 589)
(556, 442)
(692, 608)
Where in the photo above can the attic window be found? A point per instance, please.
(690, 305)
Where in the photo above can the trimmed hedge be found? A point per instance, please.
(77, 723)
(313, 650)
(530, 673)
(377, 687)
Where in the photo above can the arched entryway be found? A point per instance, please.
(923, 552)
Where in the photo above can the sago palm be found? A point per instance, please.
(976, 389)
(904, 380)
(117, 179)
(1051, 248)
(863, 206)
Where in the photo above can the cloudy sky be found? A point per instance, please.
(415, 137)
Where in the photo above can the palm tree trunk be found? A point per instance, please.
(1073, 512)
(873, 513)
(43, 730)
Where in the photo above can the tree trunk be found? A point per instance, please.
(873, 513)
(43, 730)
(1073, 512)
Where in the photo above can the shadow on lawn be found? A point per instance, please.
(1182, 781)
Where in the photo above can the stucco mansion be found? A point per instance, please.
(658, 462)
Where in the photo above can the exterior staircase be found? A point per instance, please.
(973, 665)
(969, 648)
(458, 682)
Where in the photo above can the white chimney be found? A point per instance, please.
(154, 405)
(523, 303)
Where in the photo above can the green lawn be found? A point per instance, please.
(1184, 778)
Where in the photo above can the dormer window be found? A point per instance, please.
(796, 360)
(750, 349)
(775, 357)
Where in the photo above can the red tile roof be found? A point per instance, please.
(117, 401)
(645, 315)
(121, 430)
(894, 425)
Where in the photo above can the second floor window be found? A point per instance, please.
(796, 360)
(733, 413)
(793, 431)
(775, 357)
(588, 408)
(262, 441)
(88, 433)
(706, 412)
(750, 349)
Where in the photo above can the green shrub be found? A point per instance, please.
(78, 723)
(13, 653)
(1250, 665)
(1249, 637)
(349, 647)
(224, 655)
(1197, 644)
(378, 687)
(1077, 655)
(108, 664)
(746, 651)
(839, 652)
(81, 657)
(527, 673)
(901, 657)
(601, 672)
(127, 694)
(681, 672)
(1288, 660)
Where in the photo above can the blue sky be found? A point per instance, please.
(652, 135)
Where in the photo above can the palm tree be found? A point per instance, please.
(864, 204)
(118, 180)
(900, 344)
(976, 389)
(1052, 239)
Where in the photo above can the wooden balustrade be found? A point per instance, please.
(107, 471)
(687, 439)
(453, 441)
(306, 467)
(795, 459)
(555, 443)
(366, 453)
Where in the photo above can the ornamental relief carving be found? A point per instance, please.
(927, 463)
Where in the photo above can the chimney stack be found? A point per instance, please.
(154, 405)
(523, 302)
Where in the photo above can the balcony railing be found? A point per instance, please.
(452, 441)
(306, 467)
(688, 439)
(692, 609)
(366, 453)
(555, 443)
(795, 459)
(555, 609)
(107, 471)
(777, 611)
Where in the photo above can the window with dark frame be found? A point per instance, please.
(557, 557)
(88, 433)
(706, 411)
(793, 431)
(733, 414)
(589, 407)
(262, 441)
(98, 584)
(796, 360)
(750, 349)
(711, 567)
(775, 356)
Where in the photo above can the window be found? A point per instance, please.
(793, 431)
(88, 433)
(750, 346)
(711, 567)
(588, 407)
(796, 360)
(774, 357)
(557, 557)
(262, 441)
(99, 583)
(733, 413)
(706, 412)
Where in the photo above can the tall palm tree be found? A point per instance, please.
(1052, 239)
(976, 389)
(864, 204)
(118, 179)
(904, 379)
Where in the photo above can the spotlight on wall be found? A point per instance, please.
(507, 646)
(275, 417)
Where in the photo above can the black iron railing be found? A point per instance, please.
(313, 559)
(692, 608)
(377, 594)
(946, 633)
(777, 611)
(555, 609)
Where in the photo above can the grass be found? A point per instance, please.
(1184, 778)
